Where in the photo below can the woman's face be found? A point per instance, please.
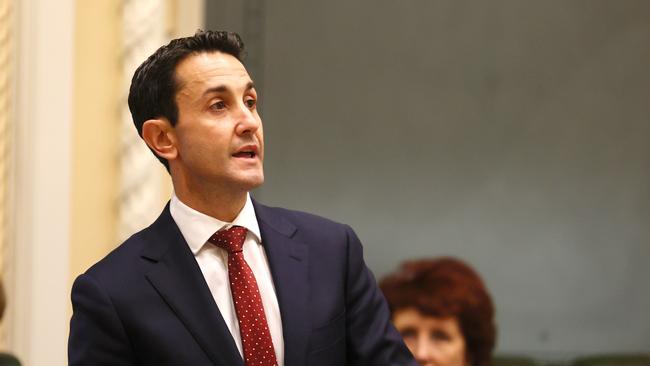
(433, 341)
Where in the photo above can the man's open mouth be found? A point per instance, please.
(249, 151)
(245, 154)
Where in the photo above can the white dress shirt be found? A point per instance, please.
(197, 228)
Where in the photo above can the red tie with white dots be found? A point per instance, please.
(253, 327)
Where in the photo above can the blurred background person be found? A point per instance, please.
(444, 312)
(6, 359)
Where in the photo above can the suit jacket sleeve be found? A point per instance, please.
(97, 336)
(372, 339)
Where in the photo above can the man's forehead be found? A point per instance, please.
(209, 68)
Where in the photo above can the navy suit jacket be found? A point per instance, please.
(147, 302)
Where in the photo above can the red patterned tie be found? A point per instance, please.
(253, 328)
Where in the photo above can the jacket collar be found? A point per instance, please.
(172, 269)
(289, 262)
(174, 273)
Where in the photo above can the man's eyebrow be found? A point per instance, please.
(215, 89)
(222, 88)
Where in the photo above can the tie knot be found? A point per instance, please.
(232, 240)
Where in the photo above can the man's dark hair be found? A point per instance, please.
(154, 85)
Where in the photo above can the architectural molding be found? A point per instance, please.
(141, 176)
(43, 118)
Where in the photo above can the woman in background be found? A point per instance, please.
(444, 312)
(6, 359)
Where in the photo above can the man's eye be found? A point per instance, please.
(250, 103)
(218, 106)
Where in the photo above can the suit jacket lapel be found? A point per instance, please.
(289, 262)
(173, 271)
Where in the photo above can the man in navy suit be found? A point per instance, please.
(165, 296)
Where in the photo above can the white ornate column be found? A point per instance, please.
(142, 179)
(144, 184)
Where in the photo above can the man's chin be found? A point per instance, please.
(251, 182)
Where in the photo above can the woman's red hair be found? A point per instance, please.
(447, 287)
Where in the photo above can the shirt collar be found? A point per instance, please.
(197, 227)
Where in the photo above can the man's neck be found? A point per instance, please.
(222, 206)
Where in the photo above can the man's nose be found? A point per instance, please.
(248, 121)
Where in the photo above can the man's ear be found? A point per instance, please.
(160, 137)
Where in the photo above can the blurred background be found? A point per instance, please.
(512, 134)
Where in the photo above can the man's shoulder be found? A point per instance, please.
(121, 258)
(149, 241)
(301, 219)
(319, 233)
